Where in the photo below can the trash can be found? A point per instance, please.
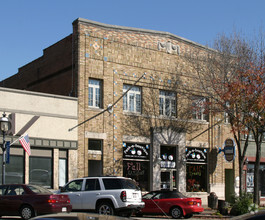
(222, 207)
(212, 200)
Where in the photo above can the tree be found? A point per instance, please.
(233, 77)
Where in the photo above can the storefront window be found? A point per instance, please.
(250, 178)
(196, 178)
(40, 171)
(138, 171)
(63, 167)
(14, 172)
(136, 163)
(196, 169)
(62, 171)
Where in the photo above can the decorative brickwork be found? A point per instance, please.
(118, 56)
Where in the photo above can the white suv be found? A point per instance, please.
(105, 195)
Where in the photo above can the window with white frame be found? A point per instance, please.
(95, 93)
(132, 100)
(226, 114)
(167, 103)
(199, 108)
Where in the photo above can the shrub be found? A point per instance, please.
(242, 204)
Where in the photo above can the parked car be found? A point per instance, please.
(28, 201)
(104, 195)
(171, 203)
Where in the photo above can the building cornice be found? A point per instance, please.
(26, 92)
(140, 30)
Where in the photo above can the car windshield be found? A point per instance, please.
(39, 189)
(149, 195)
(163, 195)
(173, 195)
(179, 195)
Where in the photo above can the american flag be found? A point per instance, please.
(24, 140)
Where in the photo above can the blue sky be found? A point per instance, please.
(29, 26)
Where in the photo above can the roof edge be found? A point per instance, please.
(96, 23)
(27, 92)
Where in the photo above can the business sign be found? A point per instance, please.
(229, 150)
(196, 154)
(136, 151)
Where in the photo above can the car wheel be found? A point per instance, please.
(105, 208)
(176, 212)
(26, 212)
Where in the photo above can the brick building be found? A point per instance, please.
(152, 134)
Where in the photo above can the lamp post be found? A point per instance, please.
(5, 125)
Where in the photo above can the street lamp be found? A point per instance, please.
(5, 125)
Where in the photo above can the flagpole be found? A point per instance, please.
(16, 140)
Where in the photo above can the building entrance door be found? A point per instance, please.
(229, 185)
(168, 179)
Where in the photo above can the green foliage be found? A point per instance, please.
(253, 208)
(242, 205)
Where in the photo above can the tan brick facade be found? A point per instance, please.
(118, 56)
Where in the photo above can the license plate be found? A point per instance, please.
(134, 195)
(198, 204)
(64, 209)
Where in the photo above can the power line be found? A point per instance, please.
(110, 106)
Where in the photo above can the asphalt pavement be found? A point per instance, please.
(207, 214)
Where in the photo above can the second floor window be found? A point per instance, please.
(199, 106)
(226, 114)
(167, 103)
(95, 93)
(132, 100)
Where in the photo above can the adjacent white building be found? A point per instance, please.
(46, 119)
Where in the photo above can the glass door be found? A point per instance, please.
(168, 179)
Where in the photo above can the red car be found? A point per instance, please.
(30, 200)
(171, 203)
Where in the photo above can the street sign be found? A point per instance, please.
(229, 150)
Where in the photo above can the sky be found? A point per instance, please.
(30, 26)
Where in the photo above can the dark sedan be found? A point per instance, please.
(28, 201)
(171, 203)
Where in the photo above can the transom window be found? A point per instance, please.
(167, 103)
(95, 93)
(199, 108)
(132, 100)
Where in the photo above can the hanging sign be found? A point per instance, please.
(196, 154)
(136, 151)
(229, 150)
